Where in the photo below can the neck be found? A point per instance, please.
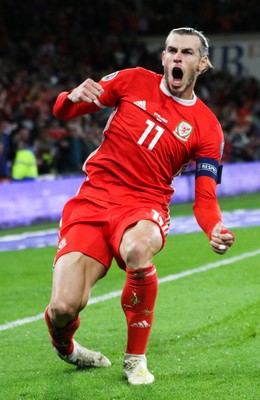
(183, 100)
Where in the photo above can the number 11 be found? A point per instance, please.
(149, 128)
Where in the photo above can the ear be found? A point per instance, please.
(203, 65)
(163, 55)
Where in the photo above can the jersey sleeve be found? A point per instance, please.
(65, 109)
(115, 86)
(212, 143)
(206, 208)
(208, 175)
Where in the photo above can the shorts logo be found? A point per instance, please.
(183, 130)
(62, 244)
(164, 225)
(110, 76)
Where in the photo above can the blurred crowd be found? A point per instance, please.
(50, 46)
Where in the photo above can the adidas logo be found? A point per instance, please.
(141, 104)
(142, 324)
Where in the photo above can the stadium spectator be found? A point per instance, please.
(121, 210)
(6, 130)
(45, 153)
(48, 58)
(3, 165)
(24, 166)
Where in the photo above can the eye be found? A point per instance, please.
(188, 52)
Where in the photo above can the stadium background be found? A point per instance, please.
(46, 47)
(206, 330)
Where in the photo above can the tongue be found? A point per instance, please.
(176, 82)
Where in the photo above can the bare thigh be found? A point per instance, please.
(140, 243)
(73, 278)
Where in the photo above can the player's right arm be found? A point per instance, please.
(87, 92)
(91, 96)
(78, 101)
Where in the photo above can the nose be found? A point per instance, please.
(177, 57)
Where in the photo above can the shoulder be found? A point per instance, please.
(138, 72)
(206, 112)
(131, 79)
(210, 132)
(125, 83)
(147, 75)
(129, 74)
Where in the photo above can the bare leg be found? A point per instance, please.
(74, 276)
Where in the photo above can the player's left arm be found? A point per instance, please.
(208, 215)
(206, 207)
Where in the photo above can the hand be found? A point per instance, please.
(88, 91)
(221, 239)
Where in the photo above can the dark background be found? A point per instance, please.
(50, 46)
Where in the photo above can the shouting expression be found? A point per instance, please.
(183, 62)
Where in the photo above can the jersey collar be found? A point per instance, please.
(181, 101)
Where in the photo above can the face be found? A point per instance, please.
(182, 63)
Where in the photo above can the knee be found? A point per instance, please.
(138, 254)
(59, 311)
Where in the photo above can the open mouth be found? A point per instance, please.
(177, 75)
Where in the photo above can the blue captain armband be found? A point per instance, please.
(209, 167)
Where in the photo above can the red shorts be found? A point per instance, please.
(97, 229)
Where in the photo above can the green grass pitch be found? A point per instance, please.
(205, 340)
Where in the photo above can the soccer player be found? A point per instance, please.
(156, 128)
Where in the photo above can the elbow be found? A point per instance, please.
(58, 114)
(62, 107)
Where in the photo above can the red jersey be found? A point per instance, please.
(149, 138)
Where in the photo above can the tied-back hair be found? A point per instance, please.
(204, 48)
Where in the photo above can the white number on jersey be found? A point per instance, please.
(148, 130)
